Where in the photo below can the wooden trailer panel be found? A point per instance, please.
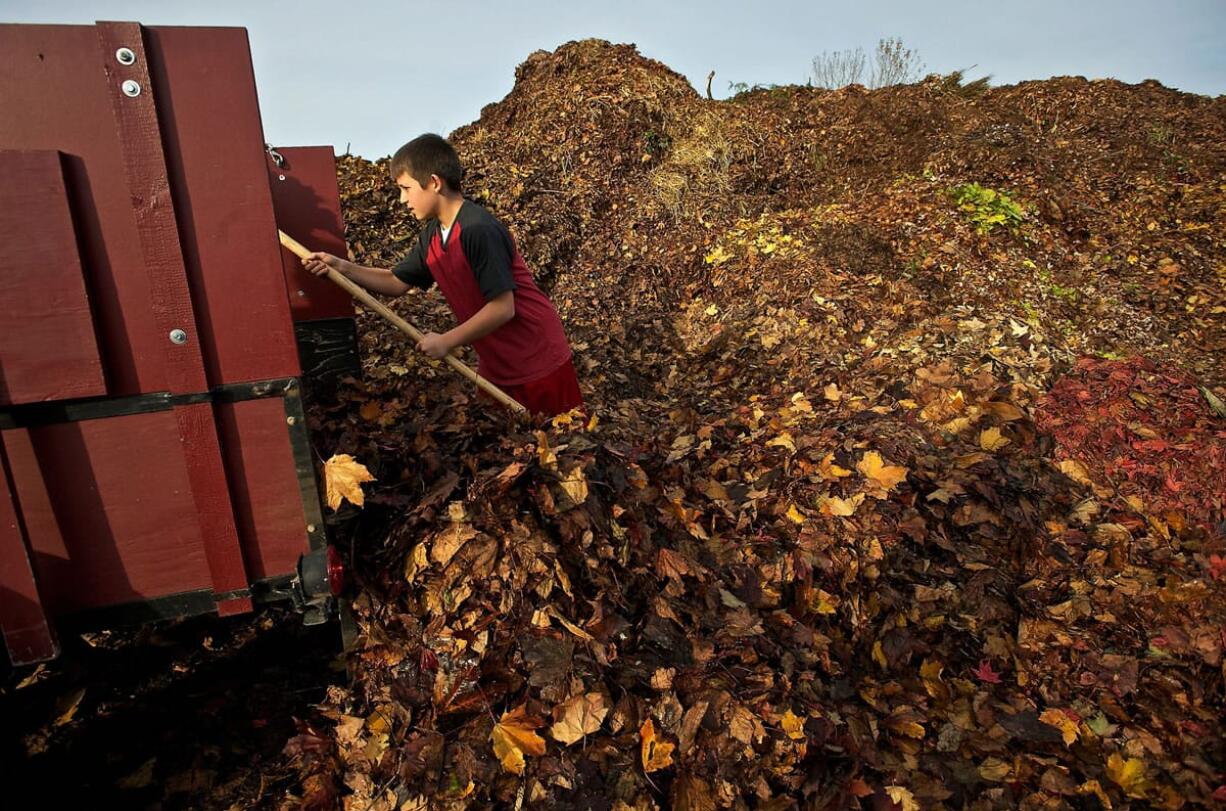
(307, 203)
(28, 633)
(47, 345)
(40, 66)
(214, 145)
(108, 510)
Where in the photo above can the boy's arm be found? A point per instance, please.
(376, 280)
(411, 271)
(496, 312)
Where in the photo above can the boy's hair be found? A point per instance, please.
(427, 155)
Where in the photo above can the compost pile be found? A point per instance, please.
(900, 484)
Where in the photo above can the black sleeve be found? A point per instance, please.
(488, 250)
(413, 269)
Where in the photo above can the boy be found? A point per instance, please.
(501, 312)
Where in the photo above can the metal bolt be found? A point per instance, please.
(290, 420)
(125, 56)
(280, 177)
(130, 88)
(178, 336)
(310, 527)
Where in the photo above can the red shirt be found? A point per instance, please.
(478, 262)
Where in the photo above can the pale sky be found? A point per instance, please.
(372, 74)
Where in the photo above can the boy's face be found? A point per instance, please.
(423, 201)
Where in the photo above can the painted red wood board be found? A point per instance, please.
(108, 510)
(308, 208)
(214, 143)
(47, 345)
(264, 488)
(54, 86)
(28, 634)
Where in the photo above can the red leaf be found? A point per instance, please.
(985, 673)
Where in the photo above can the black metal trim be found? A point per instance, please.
(304, 468)
(174, 606)
(328, 349)
(30, 415)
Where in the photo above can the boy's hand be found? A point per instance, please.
(320, 263)
(434, 345)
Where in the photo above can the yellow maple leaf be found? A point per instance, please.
(902, 797)
(990, 439)
(795, 515)
(793, 725)
(657, 754)
(833, 505)
(885, 476)
(343, 477)
(1061, 721)
(514, 736)
(1129, 774)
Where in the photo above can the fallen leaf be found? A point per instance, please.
(990, 439)
(833, 505)
(514, 737)
(986, 674)
(994, 769)
(902, 797)
(578, 716)
(1129, 774)
(67, 706)
(784, 440)
(887, 477)
(657, 754)
(1061, 721)
(343, 477)
(574, 484)
(793, 726)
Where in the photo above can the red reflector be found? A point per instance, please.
(336, 571)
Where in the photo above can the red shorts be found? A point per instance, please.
(553, 394)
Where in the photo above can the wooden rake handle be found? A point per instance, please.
(382, 309)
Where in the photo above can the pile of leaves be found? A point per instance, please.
(846, 523)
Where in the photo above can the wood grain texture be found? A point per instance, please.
(47, 345)
(307, 203)
(28, 633)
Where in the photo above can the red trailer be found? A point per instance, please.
(154, 337)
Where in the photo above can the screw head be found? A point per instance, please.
(125, 56)
(310, 527)
(290, 420)
(280, 177)
(130, 88)
(178, 336)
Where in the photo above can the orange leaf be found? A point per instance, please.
(887, 477)
(657, 754)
